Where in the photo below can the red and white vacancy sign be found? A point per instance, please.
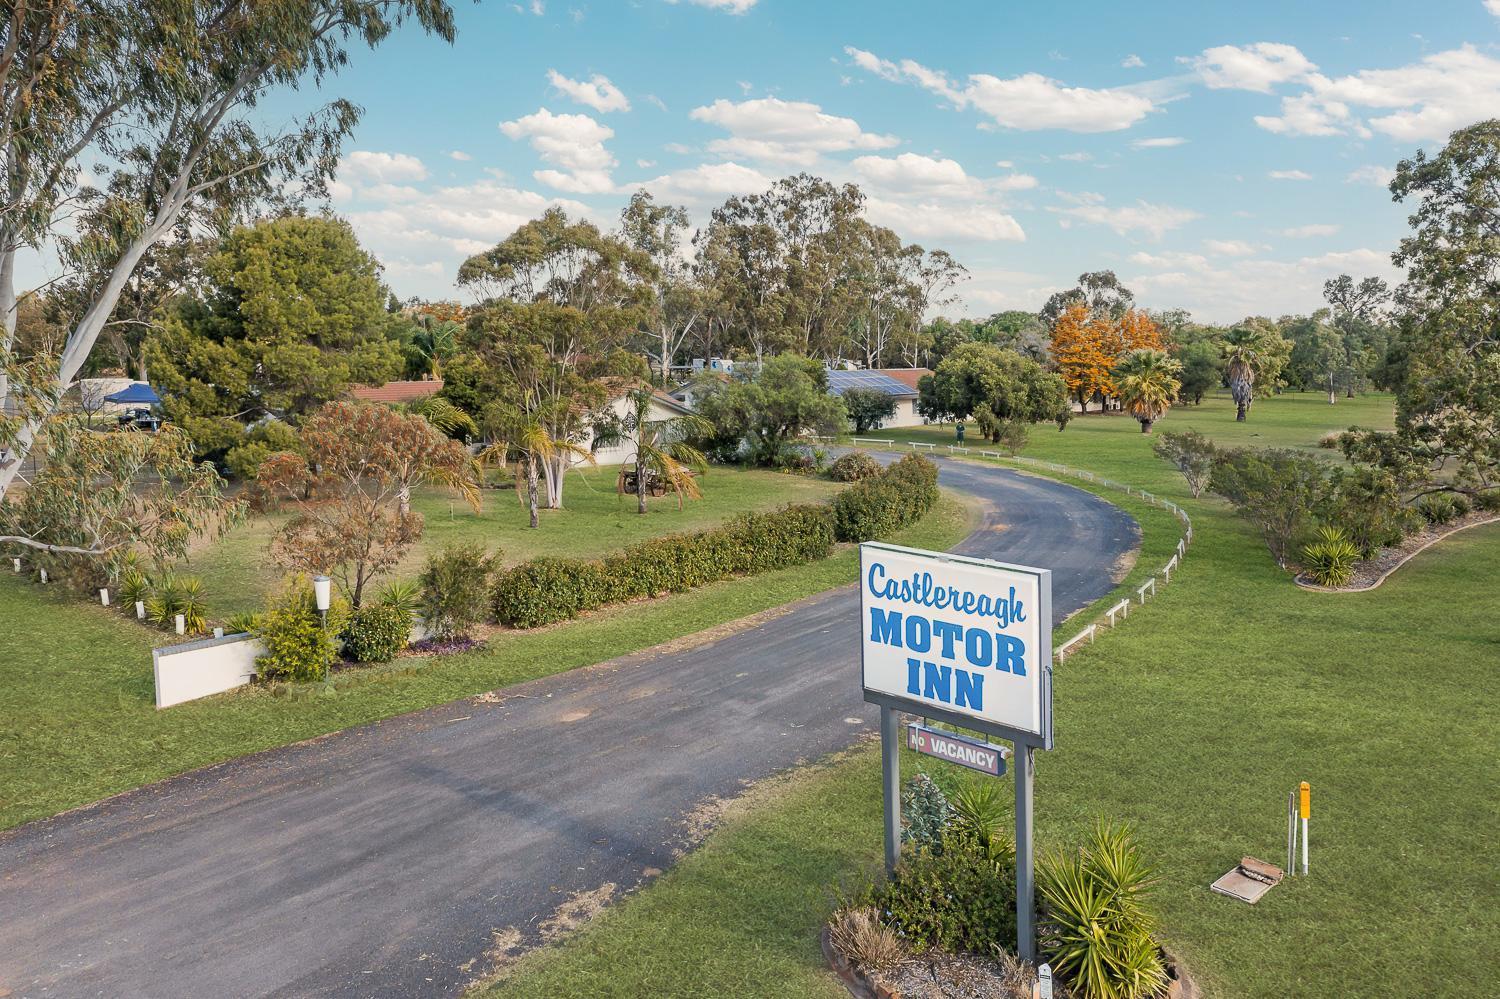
(979, 756)
(948, 635)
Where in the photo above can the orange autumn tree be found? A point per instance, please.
(1087, 346)
(1082, 348)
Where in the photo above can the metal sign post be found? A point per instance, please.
(964, 642)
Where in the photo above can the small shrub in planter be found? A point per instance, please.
(954, 896)
(1097, 930)
(455, 590)
(298, 645)
(1330, 560)
(376, 634)
(853, 466)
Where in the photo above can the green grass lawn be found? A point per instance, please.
(77, 715)
(1192, 723)
(239, 575)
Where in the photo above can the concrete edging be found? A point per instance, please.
(1298, 579)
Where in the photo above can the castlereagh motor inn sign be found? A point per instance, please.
(966, 636)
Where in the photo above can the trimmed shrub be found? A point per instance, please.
(548, 590)
(455, 590)
(298, 645)
(879, 506)
(955, 896)
(853, 466)
(376, 634)
(1330, 560)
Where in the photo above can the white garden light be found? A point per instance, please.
(323, 595)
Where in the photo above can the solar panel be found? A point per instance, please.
(840, 382)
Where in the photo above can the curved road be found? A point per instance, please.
(380, 861)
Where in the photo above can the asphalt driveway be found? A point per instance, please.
(381, 861)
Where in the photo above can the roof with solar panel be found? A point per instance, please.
(840, 382)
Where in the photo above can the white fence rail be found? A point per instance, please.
(1120, 610)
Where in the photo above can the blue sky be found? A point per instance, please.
(1223, 158)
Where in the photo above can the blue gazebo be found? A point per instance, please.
(141, 397)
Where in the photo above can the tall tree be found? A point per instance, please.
(166, 94)
(1147, 381)
(996, 387)
(561, 299)
(770, 407)
(677, 303)
(1100, 292)
(661, 447)
(1448, 325)
(1083, 350)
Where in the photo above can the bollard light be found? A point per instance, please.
(140, 610)
(218, 632)
(44, 575)
(104, 595)
(15, 564)
(181, 625)
(323, 593)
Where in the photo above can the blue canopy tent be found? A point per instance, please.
(141, 397)
(137, 394)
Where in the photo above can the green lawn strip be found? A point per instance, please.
(239, 575)
(77, 721)
(1192, 723)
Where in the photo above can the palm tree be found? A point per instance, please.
(662, 447)
(1243, 354)
(1147, 381)
(434, 342)
(529, 444)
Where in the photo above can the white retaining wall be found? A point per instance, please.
(208, 666)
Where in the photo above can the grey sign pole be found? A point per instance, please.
(890, 773)
(1025, 761)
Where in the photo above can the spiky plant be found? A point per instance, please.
(662, 447)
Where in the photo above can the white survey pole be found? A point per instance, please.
(1304, 809)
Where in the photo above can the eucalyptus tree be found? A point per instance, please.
(166, 97)
(561, 299)
(678, 305)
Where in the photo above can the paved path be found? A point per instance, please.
(379, 861)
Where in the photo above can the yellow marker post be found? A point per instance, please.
(1304, 809)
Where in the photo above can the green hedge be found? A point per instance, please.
(884, 504)
(547, 590)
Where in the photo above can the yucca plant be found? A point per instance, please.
(133, 587)
(403, 594)
(980, 812)
(243, 622)
(1097, 932)
(172, 596)
(1330, 560)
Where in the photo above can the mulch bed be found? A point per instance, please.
(1372, 572)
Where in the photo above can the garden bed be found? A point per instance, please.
(1371, 572)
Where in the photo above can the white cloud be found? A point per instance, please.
(1493, 6)
(1076, 157)
(1233, 247)
(596, 92)
(645, 164)
(1310, 231)
(1373, 174)
(1143, 218)
(705, 184)
(363, 166)
(1257, 67)
(1219, 291)
(1163, 142)
(938, 220)
(460, 155)
(786, 132)
(574, 142)
(1027, 102)
(1424, 100)
(1289, 175)
(1132, 61)
(728, 6)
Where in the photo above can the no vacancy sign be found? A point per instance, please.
(949, 635)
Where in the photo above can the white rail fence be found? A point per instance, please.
(1146, 591)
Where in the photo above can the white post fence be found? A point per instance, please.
(1122, 608)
